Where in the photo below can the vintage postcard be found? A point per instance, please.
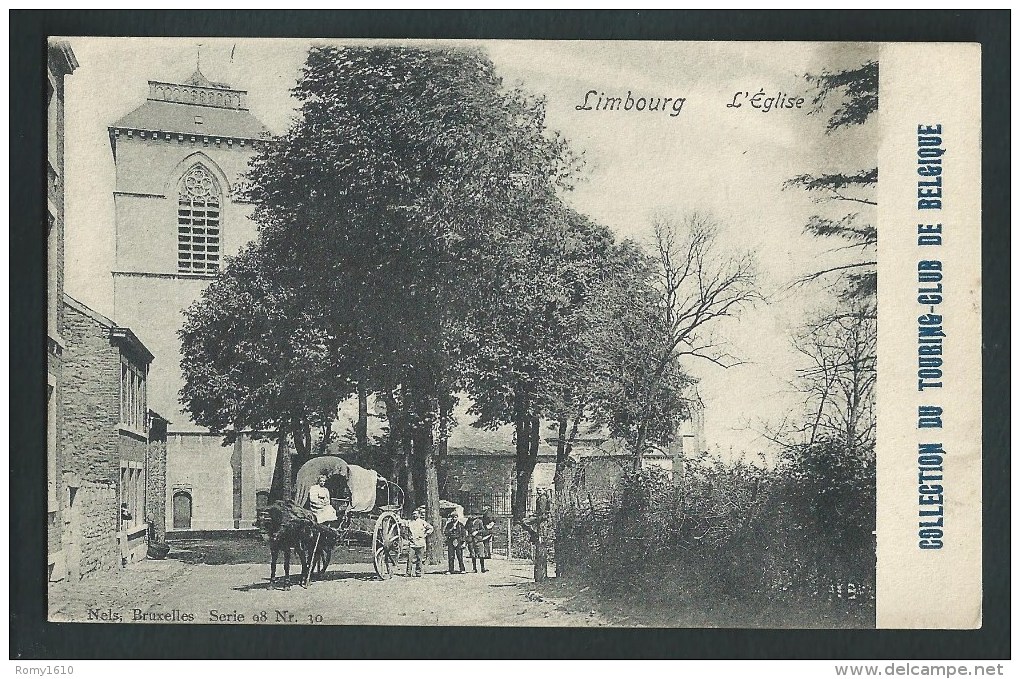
(514, 333)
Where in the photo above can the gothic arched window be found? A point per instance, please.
(198, 222)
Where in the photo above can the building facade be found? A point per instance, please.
(60, 62)
(178, 158)
(105, 442)
(211, 486)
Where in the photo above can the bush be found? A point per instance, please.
(800, 533)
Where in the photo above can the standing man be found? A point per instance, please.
(543, 505)
(454, 532)
(418, 531)
(480, 539)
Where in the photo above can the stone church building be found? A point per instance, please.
(178, 157)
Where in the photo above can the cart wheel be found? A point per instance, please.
(386, 545)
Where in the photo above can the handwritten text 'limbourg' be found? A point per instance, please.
(598, 101)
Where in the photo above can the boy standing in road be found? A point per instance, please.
(418, 530)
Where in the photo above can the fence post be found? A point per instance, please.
(509, 538)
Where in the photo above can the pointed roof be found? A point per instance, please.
(197, 106)
(164, 116)
(198, 79)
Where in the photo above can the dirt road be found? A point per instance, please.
(230, 586)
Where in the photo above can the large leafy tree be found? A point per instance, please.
(402, 166)
(609, 329)
(255, 359)
(520, 352)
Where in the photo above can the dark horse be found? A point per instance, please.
(329, 536)
(287, 527)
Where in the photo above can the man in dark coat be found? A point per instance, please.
(479, 531)
(455, 534)
(543, 505)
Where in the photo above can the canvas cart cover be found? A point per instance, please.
(448, 509)
(326, 465)
(362, 483)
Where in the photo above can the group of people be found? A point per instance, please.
(474, 533)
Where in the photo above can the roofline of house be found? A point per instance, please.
(130, 341)
(120, 335)
(89, 311)
(156, 416)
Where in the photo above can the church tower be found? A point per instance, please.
(178, 159)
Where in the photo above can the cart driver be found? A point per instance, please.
(318, 501)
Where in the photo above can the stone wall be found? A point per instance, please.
(477, 474)
(487, 474)
(595, 479)
(91, 374)
(94, 441)
(155, 489)
(96, 506)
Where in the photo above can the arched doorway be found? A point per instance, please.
(182, 510)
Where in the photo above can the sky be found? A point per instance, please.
(727, 163)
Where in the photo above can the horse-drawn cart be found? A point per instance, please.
(367, 506)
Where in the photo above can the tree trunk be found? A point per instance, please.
(442, 457)
(639, 449)
(399, 446)
(361, 426)
(302, 444)
(436, 542)
(563, 456)
(541, 561)
(422, 407)
(538, 540)
(443, 448)
(282, 487)
(409, 486)
(536, 438)
(327, 434)
(528, 428)
(528, 433)
(528, 438)
(561, 442)
(540, 549)
(523, 469)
